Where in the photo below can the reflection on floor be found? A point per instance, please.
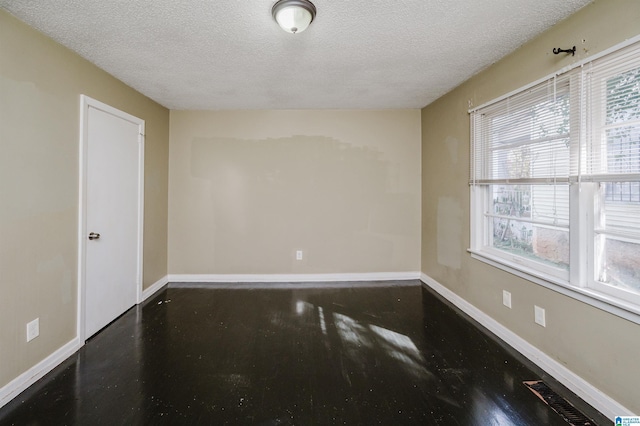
(374, 353)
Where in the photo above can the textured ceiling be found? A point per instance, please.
(230, 54)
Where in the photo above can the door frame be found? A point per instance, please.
(85, 103)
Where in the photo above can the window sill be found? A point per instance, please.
(596, 299)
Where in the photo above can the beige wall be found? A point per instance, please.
(602, 348)
(249, 188)
(40, 87)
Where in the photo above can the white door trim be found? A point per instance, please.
(85, 103)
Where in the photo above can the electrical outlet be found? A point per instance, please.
(298, 254)
(539, 315)
(506, 298)
(33, 329)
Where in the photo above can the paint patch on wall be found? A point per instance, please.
(272, 196)
(452, 146)
(449, 232)
(26, 159)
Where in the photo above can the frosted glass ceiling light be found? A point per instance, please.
(293, 16)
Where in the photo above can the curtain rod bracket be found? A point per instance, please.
(558, 50)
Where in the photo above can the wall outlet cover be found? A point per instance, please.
(33, 329)
(539, 316)
(506, 298)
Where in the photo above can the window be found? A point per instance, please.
(613, 165)
(555, 179)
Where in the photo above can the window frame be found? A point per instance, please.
(580, 282)
(598, 230)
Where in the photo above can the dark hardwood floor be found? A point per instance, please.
(391, 354)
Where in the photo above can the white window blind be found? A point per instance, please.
(524, 138)
(611, 96)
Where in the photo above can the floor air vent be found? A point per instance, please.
(558, 404)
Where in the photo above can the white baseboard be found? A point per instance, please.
(291, 278)
(153, 288)
(35, 373)
(585, 390)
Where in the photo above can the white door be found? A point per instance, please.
(113, 213)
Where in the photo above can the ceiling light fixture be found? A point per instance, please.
(293, 16)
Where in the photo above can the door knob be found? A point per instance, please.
(93, 236)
